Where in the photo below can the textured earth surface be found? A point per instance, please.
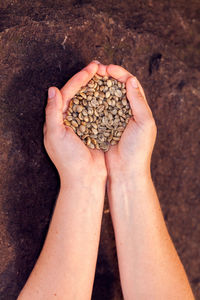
(43, 43)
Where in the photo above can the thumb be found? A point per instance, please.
(140, 108)
(54, 116)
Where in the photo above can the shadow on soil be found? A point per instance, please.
(34, 183)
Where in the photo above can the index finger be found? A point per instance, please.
(118, 73)
(122, 75)
(76, 82)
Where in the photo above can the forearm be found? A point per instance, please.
(67, 262)
(148, 262)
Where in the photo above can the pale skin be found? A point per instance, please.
(148, 263)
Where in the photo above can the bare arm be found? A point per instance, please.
(66, 266)
(149, 265)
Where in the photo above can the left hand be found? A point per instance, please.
(72, 158)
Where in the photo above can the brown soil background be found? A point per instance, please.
(43, 43)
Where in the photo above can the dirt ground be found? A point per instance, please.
(43, 43)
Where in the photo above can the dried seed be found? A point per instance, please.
(94, 142)
(109, 83)
(97, 76)
(113, 142)
(96, 113)
(74, 123)
(92, 146)
(113, 102)
(112, 90)
(78, 121)
(104, 120)
(66, 122)
(91, 119)
(110, 116)
(79, 132)
(124, 102)
(106, 133)
(82, 128)
(79, 108)
(83, 95)
(91, 85)
(85, 136)
(114, 111)
(120, 112)
(95, 131)
(94, 102)
(124, 91)
(80, 116)
(74, 115)
(118, 93)
(74, 108)
(76, 101)
(94, 125)
(119, 84)
(109, 101)
(120, 128)
(88, 140)
(90, 111)
(86, 119)
(85, 103)
(107, 94)
(69, 118)
(119, 133)
(116, 138)
(84, 112)
(100, 82)
(101, 137)
(101, 95)
(105, 104)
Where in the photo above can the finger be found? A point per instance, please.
(118, 73)
(102, 70)
(140, 108)
(76, 82)
(54, 117)
(122, 75)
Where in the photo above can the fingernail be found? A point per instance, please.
(96, 61)
(134, 83)
(51, 92)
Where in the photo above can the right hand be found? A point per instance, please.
(132, 155)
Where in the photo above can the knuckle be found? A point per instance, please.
(140, 96)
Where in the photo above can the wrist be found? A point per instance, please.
(123, 185)
(82, 182)
(129, 175)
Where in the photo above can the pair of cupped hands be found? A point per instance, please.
(73, 159)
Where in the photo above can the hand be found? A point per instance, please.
(132, 155)
(72, 158)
